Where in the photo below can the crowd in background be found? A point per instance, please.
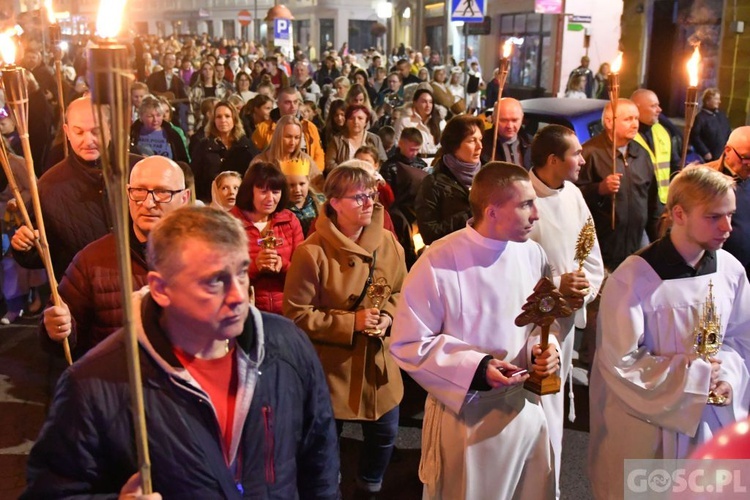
(340, 169)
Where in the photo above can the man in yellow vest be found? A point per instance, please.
(656, 139)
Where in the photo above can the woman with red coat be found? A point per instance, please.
(274, 232)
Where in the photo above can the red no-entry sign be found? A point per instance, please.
(244, 17)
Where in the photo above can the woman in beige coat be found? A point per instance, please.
(329, 273)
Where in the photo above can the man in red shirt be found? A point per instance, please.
(236, 401)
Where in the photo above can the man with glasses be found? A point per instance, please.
(90, 288)
(392, 92)
(237, 404)
(735, 162)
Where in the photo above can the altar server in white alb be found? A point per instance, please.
(557, 157)
(648, 387)
(484, 436)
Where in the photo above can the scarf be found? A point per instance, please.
(463, 171)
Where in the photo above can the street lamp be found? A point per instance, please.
(384, 10)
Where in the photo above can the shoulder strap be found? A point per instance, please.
(368, 282)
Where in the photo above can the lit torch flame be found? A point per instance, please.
(109, 18)
(507, 49)
(50, 11)
(8, 47)
(692, 66)
(616, 64)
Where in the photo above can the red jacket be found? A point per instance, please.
(269, 287)
(91, 288)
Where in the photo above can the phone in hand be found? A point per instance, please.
(516, 372)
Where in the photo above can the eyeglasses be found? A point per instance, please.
(362, 197)
(743, 159)
(139, 195)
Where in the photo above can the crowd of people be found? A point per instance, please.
(305, 232)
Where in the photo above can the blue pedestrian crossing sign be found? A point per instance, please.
(468, 11)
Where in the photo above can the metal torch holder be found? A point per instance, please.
(110, 77)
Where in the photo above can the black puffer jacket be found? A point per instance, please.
(442, 204)
(287, 448)
(75, 211)
(211, 158)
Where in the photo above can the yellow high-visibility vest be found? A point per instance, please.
(660, 158)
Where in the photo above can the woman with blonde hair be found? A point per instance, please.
(286, 144)
(225, 147)
(224, 190)
(341, 87)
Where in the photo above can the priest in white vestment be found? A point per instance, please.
(557, 157)
(648, 387)
(484, 436)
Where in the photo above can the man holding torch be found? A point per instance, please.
(91, 308)
(72, 196)
(632, 185)
(238, 406)
(512, 140)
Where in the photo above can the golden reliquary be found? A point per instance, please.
(707, 337)
(378, 291)
(585, 242)
(269, 240)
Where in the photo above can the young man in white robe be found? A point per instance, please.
(484, 436)
(648, 387)
(557, 157)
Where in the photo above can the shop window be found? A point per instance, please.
(531, 65)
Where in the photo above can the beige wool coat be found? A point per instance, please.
(326, 276)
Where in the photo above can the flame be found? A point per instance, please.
(8, 47)
(507, 49)
(50, 11)
(616, 63)
(109, 18)
(692, 66)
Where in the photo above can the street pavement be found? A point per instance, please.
(26, 375)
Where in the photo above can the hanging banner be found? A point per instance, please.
(548, 6)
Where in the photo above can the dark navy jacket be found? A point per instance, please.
(287, 448)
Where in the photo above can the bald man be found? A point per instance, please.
(735, 162)
(657, 140)
(513, 143)
(631, 184)
(90, 288)
(72, 195)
